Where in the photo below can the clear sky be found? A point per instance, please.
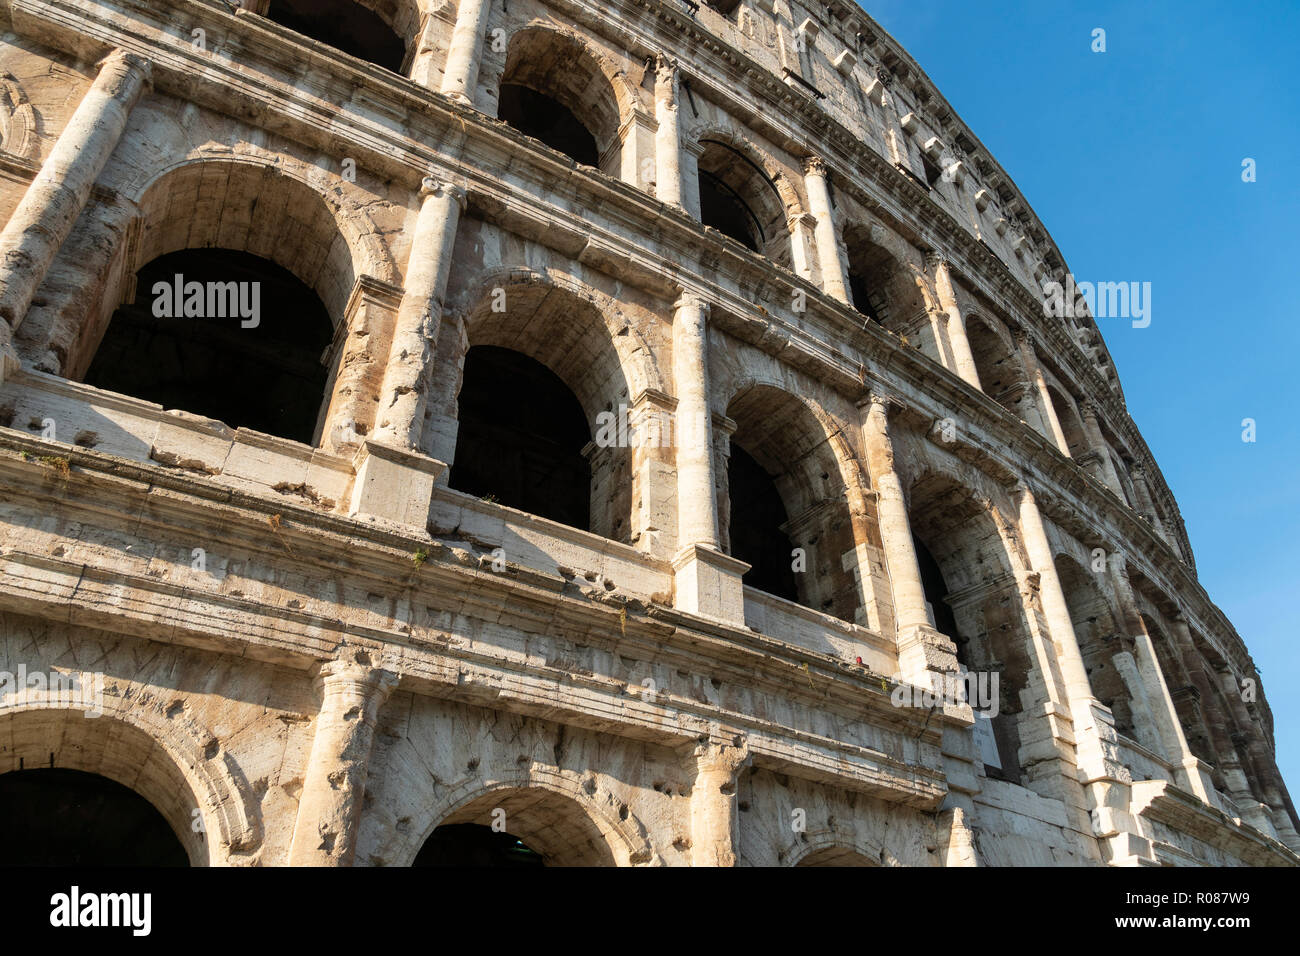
(1132, 159)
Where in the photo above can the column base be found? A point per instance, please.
(709, 583)
(393, 484)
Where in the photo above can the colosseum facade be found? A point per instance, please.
(579, 433)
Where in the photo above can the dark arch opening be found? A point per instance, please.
(758, 519)
(521, 437)
(269, 376)
(541, 117)
(974, 598)
(725, 211)
(473, 844)
(936, 593)
(740, 200)
(1099, 641)
(345, 25)
(554, 89)
(58, 817)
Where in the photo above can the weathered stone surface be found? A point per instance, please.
(319, 652)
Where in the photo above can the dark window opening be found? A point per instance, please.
(521, 438)
(725, 7)
(268, 377)
(726, 212)
(936, 593)
(346, 26)
(539, 116)
(57, 817)
(932, 172)
(472, 844)
(858, 289)
(983, 658)
(757, 518)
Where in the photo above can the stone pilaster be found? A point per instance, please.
(1153, 687)
(714, 827)
(961, 353)
(706, 581)
(405, 391)
(922, 651)
(460, 76)
(1047, 411)
(357, 364)
(835, 281)
(55, 198)
(668, 136)
(329, 809)
(1104, 467)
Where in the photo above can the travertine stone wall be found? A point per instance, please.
(363, 653)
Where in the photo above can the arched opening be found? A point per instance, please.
(836, 856)
(999, 371)
(541, 117)
(554, 90)
(473, 844)
(740, 200)
(348, 26)
(224, 334)
(757, 527)
(112, 748)
(61, 817)
(1186, 697)
(517, 826)
(1125, 483)
(521, 438)
(887, 291)
(1071, 425)
(786, 509)
(542, 376)
(975, 600)
(1099, 640)
(214, 210)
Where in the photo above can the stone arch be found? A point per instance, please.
(1183, 692)
(725, 157)
(1100, 637)
(355, 27)
(971, 566)
(835, 846)
(804, 453)
(888, 284)
(258, 198)
(562, 66)
(608, 834)
(997, 361)
(1067, 413)
(18, 126)
(1121, 466)
(169, 759)
(625, 345)
(581, 337)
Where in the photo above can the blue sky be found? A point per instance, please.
(1132, 160)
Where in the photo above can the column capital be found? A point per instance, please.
(693, 300)
(365, 678)
(125, 61)
(714, 756)
(814, 166)
(935, 259)
(667, 80)
(883, 400)
(434, 185)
